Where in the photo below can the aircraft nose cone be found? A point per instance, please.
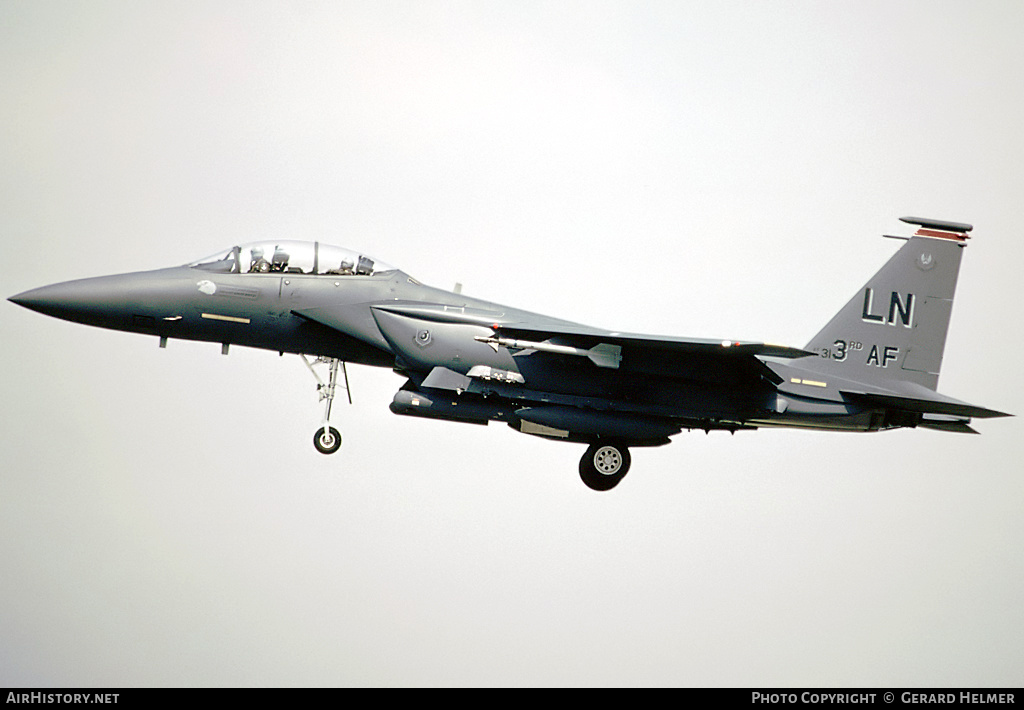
(120, 301)
(98, 301)
(44, 300)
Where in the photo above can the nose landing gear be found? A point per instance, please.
(327, 439)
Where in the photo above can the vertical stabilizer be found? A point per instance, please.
(894, 328)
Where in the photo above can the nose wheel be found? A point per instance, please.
(327, 439)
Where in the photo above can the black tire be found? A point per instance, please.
(327, 442)
(604, 465)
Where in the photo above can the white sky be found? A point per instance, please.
(706, 169)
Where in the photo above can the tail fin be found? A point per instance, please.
(895, 326)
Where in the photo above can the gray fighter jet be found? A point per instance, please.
(874, 366)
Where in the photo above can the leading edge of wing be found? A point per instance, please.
(660, 342)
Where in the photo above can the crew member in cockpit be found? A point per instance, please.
(346, 269)
(259, 264)
(280, 260)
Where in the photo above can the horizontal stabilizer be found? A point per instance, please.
(939, 405)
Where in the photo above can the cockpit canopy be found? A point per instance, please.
(292, 257)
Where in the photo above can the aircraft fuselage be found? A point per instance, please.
(874, 366)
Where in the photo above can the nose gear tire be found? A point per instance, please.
(327, 442)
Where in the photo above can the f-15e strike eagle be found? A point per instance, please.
(874, 366)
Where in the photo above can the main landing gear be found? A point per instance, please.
(327, 439)
(604, 465)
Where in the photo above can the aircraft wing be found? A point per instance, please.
(663, 342)
(654, 342)
(666, 355)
